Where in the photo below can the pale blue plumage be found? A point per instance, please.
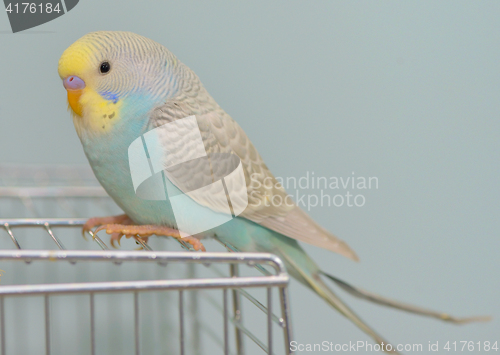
(148, 87)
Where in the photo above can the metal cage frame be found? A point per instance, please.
(234, 283)
(279, 280)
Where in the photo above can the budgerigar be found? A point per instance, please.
(120, 86)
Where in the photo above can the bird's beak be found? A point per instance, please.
(74, 85)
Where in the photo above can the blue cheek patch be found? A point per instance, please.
(109, 96)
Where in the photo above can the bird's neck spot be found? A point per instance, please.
(100, 113)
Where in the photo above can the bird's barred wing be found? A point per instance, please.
(268, 203)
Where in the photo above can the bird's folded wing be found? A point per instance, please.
(268, 203)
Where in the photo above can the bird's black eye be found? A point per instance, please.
(105, 67)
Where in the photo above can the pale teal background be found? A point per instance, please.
(405, 91)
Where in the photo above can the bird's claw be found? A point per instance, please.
(144, 232)
(99, 221)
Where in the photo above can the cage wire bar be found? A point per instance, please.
(235, 283)
(279, 280)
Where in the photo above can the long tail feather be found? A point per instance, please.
(369, 296)
(314, 281)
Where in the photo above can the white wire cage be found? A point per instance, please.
(60, 294)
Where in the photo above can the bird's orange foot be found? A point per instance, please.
(99, 221)
(145, 231)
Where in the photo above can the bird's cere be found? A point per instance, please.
(73, 83)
